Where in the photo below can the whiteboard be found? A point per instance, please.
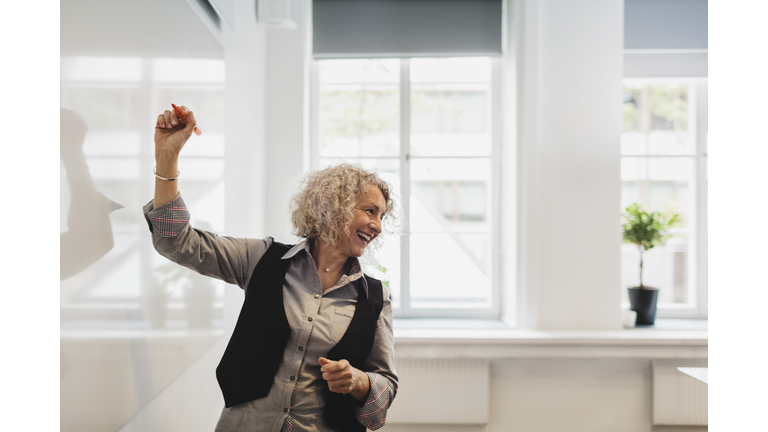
(131, 321)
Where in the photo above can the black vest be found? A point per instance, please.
(253, 355)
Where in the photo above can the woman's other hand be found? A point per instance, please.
(345, 379)
(171, 134)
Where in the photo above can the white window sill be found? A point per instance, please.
(492, 339)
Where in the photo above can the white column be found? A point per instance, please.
(245, 166)
(570, 116)
(287, 117)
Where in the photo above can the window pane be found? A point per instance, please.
(657, 119)
(447, 111)
(450, 195)
(451, 70)
(359, 107)
(450, 198)
(659, 184)
(361, 71)
(450, 271)
(450, 106)
(384, 264)
(453, 201)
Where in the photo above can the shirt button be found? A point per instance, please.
(317, 295)
(285, 410)
(309, 319)
(293, 378)
(301, 348)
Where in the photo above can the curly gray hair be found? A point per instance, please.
(323, 208)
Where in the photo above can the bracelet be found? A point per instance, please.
(154, 170)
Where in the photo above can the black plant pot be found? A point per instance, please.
(643, 301)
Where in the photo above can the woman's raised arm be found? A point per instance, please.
(170, 136)
(229, 259)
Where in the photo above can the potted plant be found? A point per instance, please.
(646, 230)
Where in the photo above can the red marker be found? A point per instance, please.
(182, 115)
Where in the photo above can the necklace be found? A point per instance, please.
(327, 270)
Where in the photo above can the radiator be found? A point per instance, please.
(678, 399)
(441, 391)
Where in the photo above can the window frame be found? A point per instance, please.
(405, 310)
(698, 92)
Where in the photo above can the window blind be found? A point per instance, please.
(665, 38)
(406, 28)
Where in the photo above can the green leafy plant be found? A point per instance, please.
(372, 267)
(646, 230)
(383, 271)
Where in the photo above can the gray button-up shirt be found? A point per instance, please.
(318, 321)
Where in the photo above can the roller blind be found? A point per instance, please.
(665, 24)
(406, 28)
(665, 38)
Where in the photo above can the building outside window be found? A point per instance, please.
(663, 168)
(426, 125)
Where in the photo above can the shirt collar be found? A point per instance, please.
(356, 272)
(304, 245)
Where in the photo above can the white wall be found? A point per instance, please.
(569, 101)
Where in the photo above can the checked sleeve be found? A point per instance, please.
(171, 218)
(380, 368)
(222, 257)
(373, 415)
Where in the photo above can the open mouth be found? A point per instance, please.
(365, 237)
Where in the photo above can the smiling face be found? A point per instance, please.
(366, 222)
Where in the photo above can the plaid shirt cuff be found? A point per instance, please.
(373, 415)
(168, 219)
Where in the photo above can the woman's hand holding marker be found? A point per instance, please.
(181, 113)
(173, 129)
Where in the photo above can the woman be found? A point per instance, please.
(313, 348)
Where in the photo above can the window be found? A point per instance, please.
(426, 126)
(663, 168)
